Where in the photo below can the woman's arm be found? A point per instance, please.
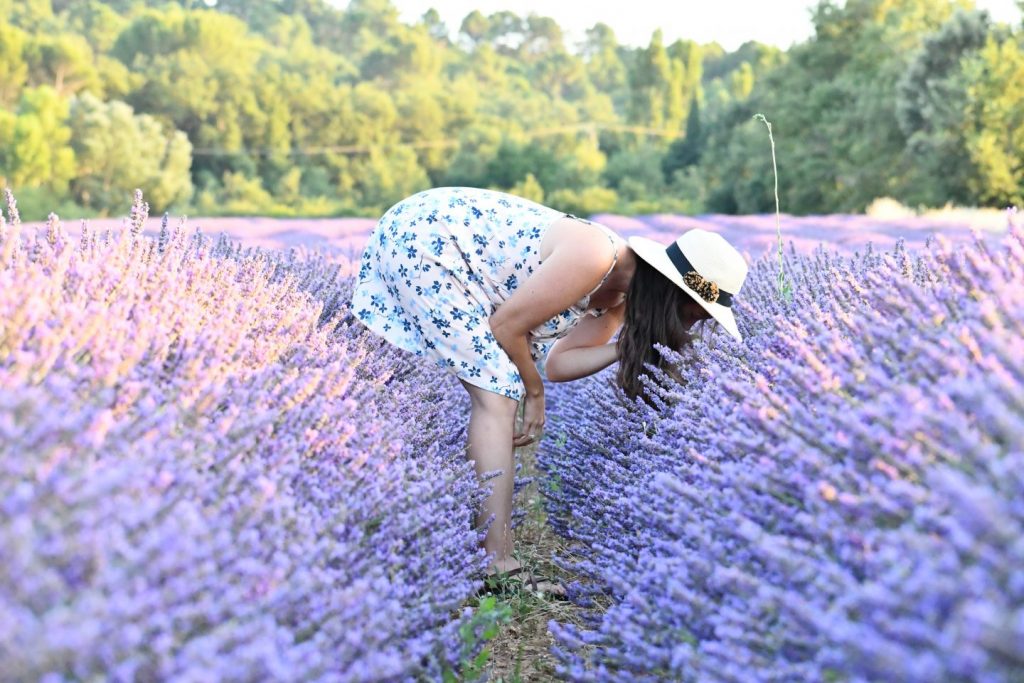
(580, 362)
(585, 350)
(572, 270)
(518, 349)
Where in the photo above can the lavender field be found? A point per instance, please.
(210, 470)
(341, 240)
(838, 498)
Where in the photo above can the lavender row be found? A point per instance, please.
(838, 498)
(208, 470)
(755, 234)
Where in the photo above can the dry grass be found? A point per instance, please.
(988, 219)
(521, 650)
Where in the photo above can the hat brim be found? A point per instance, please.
(654, 253)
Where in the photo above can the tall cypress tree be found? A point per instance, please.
(685, 151)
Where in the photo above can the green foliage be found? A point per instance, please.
(95, 21)
(658, 87)
(32, 15)
(292, 106)
(13, 66)
(34, 142)
(737, 177)
(529, 188)
(64, 61)
(686, 151)
(118, 150)
(636, 173)
(932, 109)
(585, 202)
(687, 191)
(381, 180)
(603, 62)
(37, 203)
(483, 626)
(995, 124)
(513, 162)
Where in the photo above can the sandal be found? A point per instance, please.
(503, 583)
(501, 575)
(550, 589)
(498, 582)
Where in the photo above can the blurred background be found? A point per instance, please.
(308, 108)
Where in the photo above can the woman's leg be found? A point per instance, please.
(491, 423)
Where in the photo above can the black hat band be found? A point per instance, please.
(708, 290)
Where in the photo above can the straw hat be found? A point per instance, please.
(704, 265)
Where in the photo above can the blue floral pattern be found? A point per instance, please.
(440, 262)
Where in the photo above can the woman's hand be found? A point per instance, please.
(533, 421)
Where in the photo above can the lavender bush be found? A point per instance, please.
(209, 470)
(838, 498)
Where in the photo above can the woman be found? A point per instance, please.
(484, 283)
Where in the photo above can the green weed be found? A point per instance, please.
(488, 619)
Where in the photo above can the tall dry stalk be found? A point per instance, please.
(785, 289)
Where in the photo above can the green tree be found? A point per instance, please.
(604, 66)
(635, 174)
(365, 27)
(202, 78)
(258, 15)
(322, 105)
(650, 81)
(741, 82)
(513, 162)
(64, 61)
(381, 179)
(473, 29)
(736, 169)
(31, 15)
(411, 58)
(123, 7)
(421, 117)
(13, 67)
(34, 142)
(561, 75)
(931, 109)
(995, 124)
(833, 107)
(118, 151)
(435, 26)
(686, 151)
(542, 39)
(95, 21)
(690, 57)
(529, 188)
(506, 32)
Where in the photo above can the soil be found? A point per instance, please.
(522, 649)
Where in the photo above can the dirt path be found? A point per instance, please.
(521, 650)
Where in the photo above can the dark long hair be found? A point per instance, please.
(657, 311)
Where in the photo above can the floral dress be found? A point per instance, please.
(440, 262)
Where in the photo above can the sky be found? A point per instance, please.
(730, 22)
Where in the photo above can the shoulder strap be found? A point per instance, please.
(615, 249)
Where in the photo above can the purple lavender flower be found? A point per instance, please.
(837, 498)
(208, 469)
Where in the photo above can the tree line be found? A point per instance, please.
(299, 107)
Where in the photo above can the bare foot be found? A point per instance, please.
(507, 565)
